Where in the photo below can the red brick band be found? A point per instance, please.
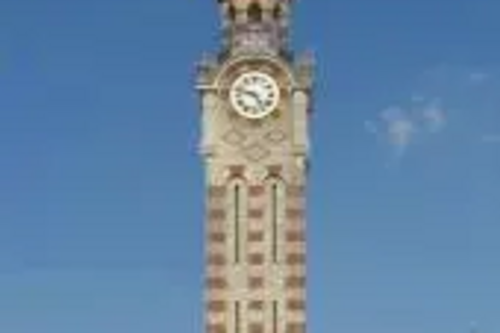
(296, 304)
(256, 282)
(295, 328)
(256, 213)
(217, 237)
(256, 258)
(294, 213)
(255, 236)
(256, 305)
(295, 258)
(256, 190)
(295, 282)
(216, 259)
(216, 282)
(295, 236)
(256, 328)
(216, 191)
(237, 170)
(216, 306)
(217, 214)
(295, 191)
(275, 170)
(216, 328)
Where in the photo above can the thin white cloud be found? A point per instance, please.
(399, 128)
(371, 128)
(467, 94)
(478, 77)
(434, 116)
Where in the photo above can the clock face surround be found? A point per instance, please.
(254, 95)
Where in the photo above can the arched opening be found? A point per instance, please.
(276, 195)
(277, 12)
(275, 219)
(237, 317)
(275, 317)
(237, 201)
(237, 221)
(254, 13)
(231, 13)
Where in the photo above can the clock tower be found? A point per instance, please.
(255, 100)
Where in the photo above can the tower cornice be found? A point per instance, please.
(299, 72)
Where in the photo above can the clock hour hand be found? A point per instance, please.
(259, 101)
(252, 94)
(258, 98)
(248, 92)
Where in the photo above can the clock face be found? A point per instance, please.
(254, 95)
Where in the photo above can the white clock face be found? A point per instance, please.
(254, 95)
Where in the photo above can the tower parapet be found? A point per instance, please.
(255, 26)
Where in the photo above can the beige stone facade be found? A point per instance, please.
(255, 184)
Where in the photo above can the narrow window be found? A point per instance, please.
(275, 220)
(232, 13)
(237, 317)
(237, 209)
(277, 12)
(275, 317)
(254, 13)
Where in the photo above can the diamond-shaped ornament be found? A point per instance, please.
(275, 136)
(234, 137)
(256, 152)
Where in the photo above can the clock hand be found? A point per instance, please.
(248, 92)
(258, 99)
(260, 102)
(253, 94)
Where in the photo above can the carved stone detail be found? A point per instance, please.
(234, 137)
(256, 152)
(276, 136)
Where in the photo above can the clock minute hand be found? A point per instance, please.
(247, 92)
(260, 102)
(257, 98)
(252, 94)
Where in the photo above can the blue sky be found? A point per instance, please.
(101, 186)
